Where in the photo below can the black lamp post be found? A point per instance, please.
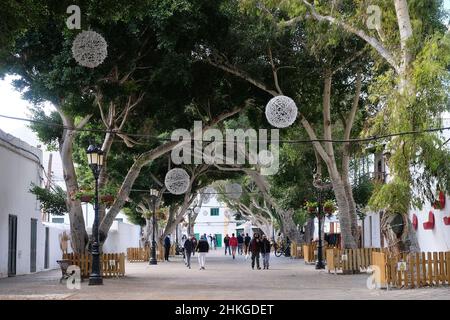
(95, 160)
(153, 198)
(320, 264)
(320, 186)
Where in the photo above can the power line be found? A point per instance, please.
(294, 141)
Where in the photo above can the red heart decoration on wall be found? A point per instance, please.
(429, 225)
(447, 221)
(415, 222)
(442, 199)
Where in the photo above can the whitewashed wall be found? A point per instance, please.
(19, 167)
(122, 236)
(205, 223)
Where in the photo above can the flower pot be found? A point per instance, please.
(311, 209)
(107, 198)
(328, 210)
(86, 198)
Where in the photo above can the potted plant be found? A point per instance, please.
(311, 207)
(107, 195)
(84, 195)
(329, 207)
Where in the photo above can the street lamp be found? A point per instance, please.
(153, 198)
(320, 185)
(95, 161)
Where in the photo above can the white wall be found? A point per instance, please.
(372, 230)
(20, 166)
(437, 239)
(122, 236)
(221, 224)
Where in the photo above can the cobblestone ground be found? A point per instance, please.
(223, 279)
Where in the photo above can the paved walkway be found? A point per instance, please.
(223, 279)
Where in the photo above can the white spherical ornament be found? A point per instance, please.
(207, 194)
(205, 213)
(281, 112)
(89, 49)
(233, 191)
(177, 181)
(265, 158)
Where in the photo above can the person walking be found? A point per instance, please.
(233, 245)
(247, 240)
(255, 249)
(226, 242)
(265, 251)
(187, 249)
(202, 248)
(240, 240)
(194, 244)
(167, 244)
(183, 240)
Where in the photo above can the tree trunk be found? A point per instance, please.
(309, 231)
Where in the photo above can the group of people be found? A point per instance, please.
(256, 247)
(239, 244)
(190, 246)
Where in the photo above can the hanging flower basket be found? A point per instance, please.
(329, 207)
(311, 207)
(107, 199)
(86, 198)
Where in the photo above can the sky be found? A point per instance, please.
(13, 105)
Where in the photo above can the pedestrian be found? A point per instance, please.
(187, 249)
(240, 240)
(183, 240)
(247, 240)
(226, 241)
(213, 242)
(233, 245)
(194, 244)
(255, 249)
(167, 244)
(202, 248)
(265, 251)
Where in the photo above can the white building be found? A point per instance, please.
(122, 234)
(432, 225)
(215, 218)
(22, 235)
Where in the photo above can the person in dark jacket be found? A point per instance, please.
(194, 244)
(255, 249)
(240, 240)
(247, 240)
(188, 248)
(202, 248)
(226, 241)
(265, 251)
(167, 244)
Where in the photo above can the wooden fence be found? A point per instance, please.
(138, 254)
(349, 260)
(296, 251)
(111, 264)
(310, 252)
(413, 270)
(143, 254)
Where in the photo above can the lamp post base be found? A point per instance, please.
(320, 265)
(153, 261)
(95, 280)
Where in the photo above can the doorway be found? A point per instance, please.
(218, 240)
(33, 245)
(12, 245)
(47, 248)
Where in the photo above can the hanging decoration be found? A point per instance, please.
(177, 181)
(207, 194)
(89, 49)
(281, 112)
(233, 190)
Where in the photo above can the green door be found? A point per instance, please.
(219, 240)
(197, 236)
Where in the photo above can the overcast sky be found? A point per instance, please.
(13, 105)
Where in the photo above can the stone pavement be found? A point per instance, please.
(223, 279)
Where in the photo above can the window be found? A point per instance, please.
(214, 211)
(119, 219)
(58, 220)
